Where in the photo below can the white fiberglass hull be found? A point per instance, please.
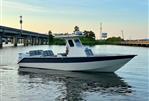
(95, 66)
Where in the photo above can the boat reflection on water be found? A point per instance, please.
(76, 83)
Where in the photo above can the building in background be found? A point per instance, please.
(104, 35)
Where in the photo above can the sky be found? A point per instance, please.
(60, 16)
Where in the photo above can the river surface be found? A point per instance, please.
(130, 83)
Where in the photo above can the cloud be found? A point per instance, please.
(13, 5)
(32, 7)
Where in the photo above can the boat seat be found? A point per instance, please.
(35, 52)
(62, 54)
(48, 53)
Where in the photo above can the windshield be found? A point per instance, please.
(77, 41)
(71, 43)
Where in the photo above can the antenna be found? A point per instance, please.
(101, 30)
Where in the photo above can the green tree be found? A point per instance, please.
(114, 39)
(76, 28)
(89, 34)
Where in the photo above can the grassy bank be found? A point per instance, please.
(88, 41)
(56, 41)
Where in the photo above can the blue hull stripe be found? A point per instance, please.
(73, 59)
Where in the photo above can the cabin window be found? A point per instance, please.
(71, 43)
(88, 52)
(77, 41)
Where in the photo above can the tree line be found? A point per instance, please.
(88, 39)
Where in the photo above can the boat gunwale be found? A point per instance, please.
(73, 59)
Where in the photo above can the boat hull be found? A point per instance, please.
(98, 64)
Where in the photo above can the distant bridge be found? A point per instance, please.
(21, 36)
(143, 43)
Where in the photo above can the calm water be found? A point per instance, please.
(130, 83)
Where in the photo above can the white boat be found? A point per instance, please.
(76, 58)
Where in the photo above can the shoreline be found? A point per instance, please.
(92, 42)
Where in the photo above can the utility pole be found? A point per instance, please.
(21, 22)
(21, 27)
(122, 34)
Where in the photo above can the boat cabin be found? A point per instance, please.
(74, 47)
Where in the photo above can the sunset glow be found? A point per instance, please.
(60, 16)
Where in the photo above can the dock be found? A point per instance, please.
(141, 43)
